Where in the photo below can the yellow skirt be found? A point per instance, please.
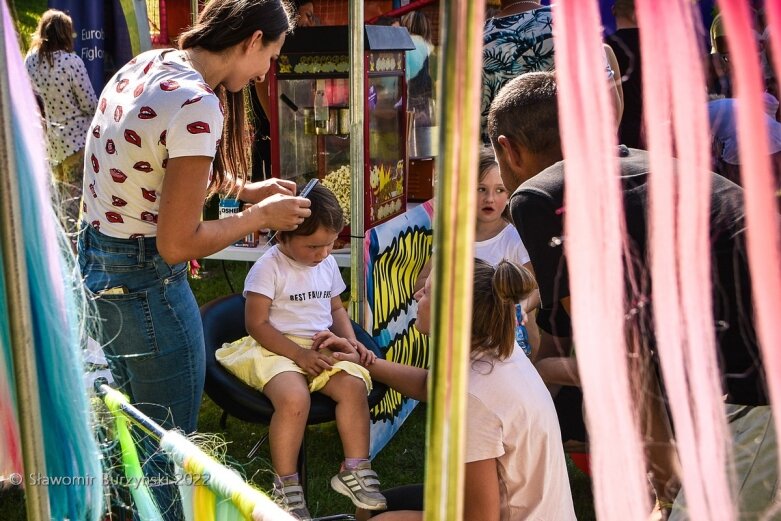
(256, 366)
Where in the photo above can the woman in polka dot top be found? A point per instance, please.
(60, 81)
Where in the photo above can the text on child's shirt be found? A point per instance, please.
(310, 295)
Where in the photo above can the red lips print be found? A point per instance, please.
(190, 101)
(132, 137)
(114, 217)
(96, 131)
(116, 201)
(102, 105)
(143, 166)
(149, 217)
(206, 87)
(96, 225)
(162, 137)
(138, 90)
(117, 175)
(146, 113)
(169, 85)
(149, 195)
(118, 113)
(92, 190)
(110, 148)
(165, 163)
(198, 127)
(95, 164)
(148, 66)
(121, 84)
(137, 236)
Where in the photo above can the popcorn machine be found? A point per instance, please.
(309, 93)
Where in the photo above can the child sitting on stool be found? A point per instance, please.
(294, 315)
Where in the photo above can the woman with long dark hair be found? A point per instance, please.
(170, 130)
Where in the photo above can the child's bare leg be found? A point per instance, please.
(289, 394)
(352, 413)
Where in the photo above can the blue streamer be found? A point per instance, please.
(56, 301)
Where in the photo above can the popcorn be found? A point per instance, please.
(339, 183)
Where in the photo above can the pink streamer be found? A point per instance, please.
(680, 250)
(10, 439)
(762, 236)
(594, 242)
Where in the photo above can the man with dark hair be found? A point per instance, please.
(523, 127)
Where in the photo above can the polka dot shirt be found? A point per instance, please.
(68, 98)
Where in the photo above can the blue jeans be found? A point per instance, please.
(150, 328)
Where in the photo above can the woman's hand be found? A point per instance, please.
(344, 348)
(257, 191)
(281, 212)
(328, 340)
(311, 361)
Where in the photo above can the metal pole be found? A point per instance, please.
(357, 162)
(18, 300)
(454, 230)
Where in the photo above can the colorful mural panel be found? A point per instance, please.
(396, 251)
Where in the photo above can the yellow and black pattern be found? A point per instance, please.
(397, 252)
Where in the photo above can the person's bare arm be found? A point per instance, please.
(256, 318)
(481, 491)
(256, 192)
(341, 321)
(618, 89)
(558, 371)
(182, 235)
(408, 380)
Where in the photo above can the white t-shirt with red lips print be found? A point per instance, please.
(155, 108)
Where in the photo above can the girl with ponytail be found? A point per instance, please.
(515, 465)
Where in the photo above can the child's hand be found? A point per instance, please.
(312, 362)
(367, 356)
(327, 340)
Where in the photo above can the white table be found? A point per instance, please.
(239, 253)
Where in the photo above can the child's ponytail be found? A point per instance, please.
(496, 292)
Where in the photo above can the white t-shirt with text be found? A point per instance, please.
(300, 295)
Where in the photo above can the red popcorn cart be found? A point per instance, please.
(309, 91)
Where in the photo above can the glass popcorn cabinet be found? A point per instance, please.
(309, 93)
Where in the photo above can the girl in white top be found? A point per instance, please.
(496, 240)
(295, 316)
(515, 466)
